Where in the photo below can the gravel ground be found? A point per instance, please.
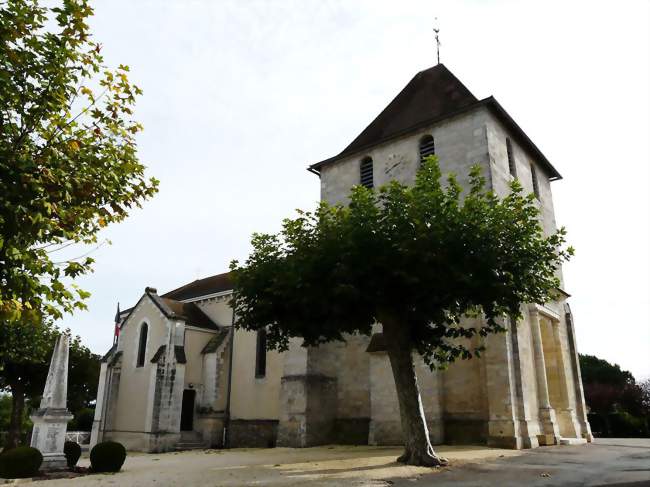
(319, 467)
(611, 462)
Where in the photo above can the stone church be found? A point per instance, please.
(177, 376)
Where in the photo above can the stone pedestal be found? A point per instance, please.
(48, 436)
(550, 433)
(51, 419)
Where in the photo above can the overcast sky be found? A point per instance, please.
(240, 96)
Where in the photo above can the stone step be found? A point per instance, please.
(189, 445)
(573, 441)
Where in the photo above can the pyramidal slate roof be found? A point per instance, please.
(432, 95)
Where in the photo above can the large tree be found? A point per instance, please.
(418, 260)
(24, 363)
(608, 388)
(68, 159)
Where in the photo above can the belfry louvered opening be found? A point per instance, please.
(427, 147)
(366, 173)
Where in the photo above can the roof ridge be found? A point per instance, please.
(194, 282)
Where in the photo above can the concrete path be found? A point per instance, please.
(613, 462)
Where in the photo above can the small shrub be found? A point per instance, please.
(107, 456)
(72, 452)
(20, 462)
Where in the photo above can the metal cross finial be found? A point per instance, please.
(436, 31)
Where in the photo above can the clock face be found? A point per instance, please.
(394, 162)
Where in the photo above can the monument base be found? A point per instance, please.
(54, 461)
(48, 435)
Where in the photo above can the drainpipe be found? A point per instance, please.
(226, 428)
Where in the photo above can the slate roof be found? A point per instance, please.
(215, 342)
(108, 354)
(179, 353)
(190, 313)
(433, 95)
(201, 287)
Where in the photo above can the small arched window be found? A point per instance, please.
(533, 175)
(365, 170)
(142, 345)
(512, 166)
(260, 356)
(427, 147)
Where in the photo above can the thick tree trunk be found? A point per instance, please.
(16, 418)
(417, 445)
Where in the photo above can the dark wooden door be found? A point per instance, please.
(187, 411)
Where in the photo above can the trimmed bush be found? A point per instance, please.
(19, 463)
(107, 456)
(72, 452)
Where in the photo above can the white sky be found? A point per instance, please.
(240, 96)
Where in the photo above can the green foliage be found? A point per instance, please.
(25, 352)
(107, 456)
(68, 158)
(596, 370)
(5, 414)
(619, 407)
(72, 452)
(619, 425)
(425, 256)
(83, 420)
(20, 462)
(83, 377)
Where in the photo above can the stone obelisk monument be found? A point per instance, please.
(51, 419)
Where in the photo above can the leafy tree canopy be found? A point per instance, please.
(419, 260)
(597, 370)
(68, 159)
(421, 254)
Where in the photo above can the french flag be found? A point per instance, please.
(116, 334)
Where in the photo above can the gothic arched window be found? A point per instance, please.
(533, 175)
(365, 171)
(427, 147)
(260, 355)
(142, 345)
(512, 166)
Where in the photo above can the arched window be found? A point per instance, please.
(533, 175)
(365, 170)
(427, 147)
(142, 345)
(260, 356)
(511, 158)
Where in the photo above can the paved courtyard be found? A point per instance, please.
(621, 462)
(614, 462)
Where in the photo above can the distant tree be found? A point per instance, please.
(416, 259)
(596, 370)
(68, 158)
(5, 414)
(24, 364)
(608, 388)
(645, 395)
